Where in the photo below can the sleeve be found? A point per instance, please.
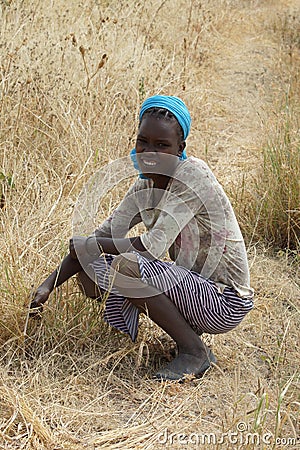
(124, 217)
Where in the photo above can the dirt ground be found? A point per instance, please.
(242, 85)
(99, 393)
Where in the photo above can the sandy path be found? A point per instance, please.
(244, 84)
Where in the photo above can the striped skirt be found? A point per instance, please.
(197, 299)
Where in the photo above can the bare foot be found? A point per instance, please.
(186, 364)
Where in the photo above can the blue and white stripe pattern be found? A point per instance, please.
(119, 312)
(199, 301)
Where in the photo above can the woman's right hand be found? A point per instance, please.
(40, 297)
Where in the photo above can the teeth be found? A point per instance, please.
(149, 163)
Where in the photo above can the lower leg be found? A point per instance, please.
(165, 314)
(87, 286)
(193, 355)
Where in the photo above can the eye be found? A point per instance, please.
(162, 145)
(140, 140)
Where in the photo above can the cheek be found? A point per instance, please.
(168, 159)
(138, 147)
(173, 151)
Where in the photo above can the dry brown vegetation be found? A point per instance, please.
(73, 75)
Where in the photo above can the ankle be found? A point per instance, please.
(198, 348)
(197, 352)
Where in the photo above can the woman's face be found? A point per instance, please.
(158, 147)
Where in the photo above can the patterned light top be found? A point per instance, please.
(192, 220)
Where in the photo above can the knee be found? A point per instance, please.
(126, 264)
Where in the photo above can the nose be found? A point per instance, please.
(149, 148)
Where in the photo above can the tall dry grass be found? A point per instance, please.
(72, 80)
(268, 201)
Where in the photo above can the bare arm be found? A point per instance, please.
(117, 246)
(87, 249)
(68, 267)
(82, 251)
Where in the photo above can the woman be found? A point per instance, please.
(186, 212)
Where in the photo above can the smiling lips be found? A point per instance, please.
(148, 162)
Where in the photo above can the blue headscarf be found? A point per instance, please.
(177, 107)
(173, 104)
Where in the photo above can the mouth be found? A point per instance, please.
(148, 162)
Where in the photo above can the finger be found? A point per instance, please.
(35, 311)
(35, 305)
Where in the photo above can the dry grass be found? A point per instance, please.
(68, 381)
(269, 198)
